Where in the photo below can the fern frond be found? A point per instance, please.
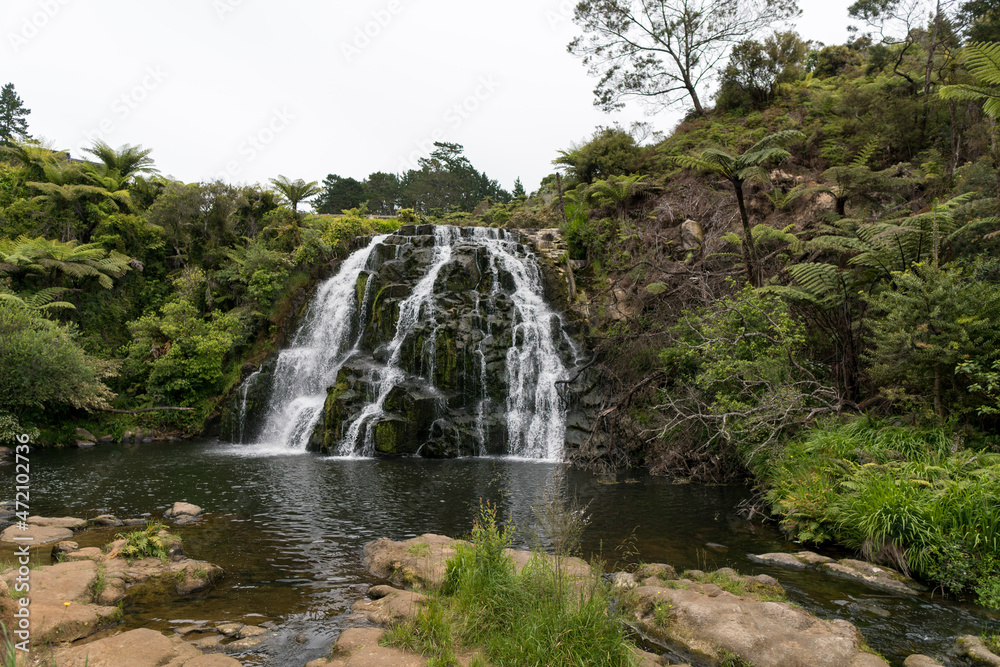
(983, 61)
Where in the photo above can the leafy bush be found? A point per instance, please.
(180, 355)
(927, 324)
(42, 365)
(153, 541)
(736, 381)
(906, 496)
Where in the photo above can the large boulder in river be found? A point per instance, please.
(705, 622)
(58, 522)
(182, 512)
(421, 562)
(879, 577)
(34, 536)
(61, 602)
(140, 648)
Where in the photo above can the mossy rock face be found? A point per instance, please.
(446, 359)
(342, 401)
(246, 408)
(383, 253)
(390, 437)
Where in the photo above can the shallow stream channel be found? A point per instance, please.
(288, 530)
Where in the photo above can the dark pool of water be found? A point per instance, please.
(288, 530)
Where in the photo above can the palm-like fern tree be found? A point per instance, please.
(983, 61)
(738, 169)
(857, 182)
(617, 191)
(54, 259)
(126, 161)
(295, 191)
(67, 191)
(32, 156)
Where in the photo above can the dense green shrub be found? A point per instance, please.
(739, 382)
(911, 497)
(41, 365)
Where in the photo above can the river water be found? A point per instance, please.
(288, 530)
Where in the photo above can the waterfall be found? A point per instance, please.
(435, 340)
(322, 343)
(357, 443)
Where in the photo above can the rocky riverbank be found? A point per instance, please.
(77, 594)
(697, 618)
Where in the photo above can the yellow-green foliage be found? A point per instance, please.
(336, 231)
(151, 542)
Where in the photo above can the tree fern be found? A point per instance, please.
(42, 300)
(983, 61)
(738, 169)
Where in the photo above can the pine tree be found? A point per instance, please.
(12, 116)
(519, 192)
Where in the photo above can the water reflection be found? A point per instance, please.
(289, 530)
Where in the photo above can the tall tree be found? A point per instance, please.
(13, 115)
(519, 192)
(738, 169)
(980, 20)
(339, 194)
(382, 192)
(611, 151)
(664, 51)
(295, 191)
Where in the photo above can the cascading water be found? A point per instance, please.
(435, 340)
(357, 443)
(324, 340)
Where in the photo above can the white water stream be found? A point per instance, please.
(330, 333)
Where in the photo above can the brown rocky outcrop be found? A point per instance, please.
(140, 648)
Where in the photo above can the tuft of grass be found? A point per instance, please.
(419, 549)
(991, 642)
(535, 617)
(740, 585)
(661, 614)
(908, 497)
(730, 659)
(99, 583)
(8, 652)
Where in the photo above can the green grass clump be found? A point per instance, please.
(908, 497)
(419, 549)
(535, 617)
(8, 652)
(992, 643)
(151, 542)
(739, 585)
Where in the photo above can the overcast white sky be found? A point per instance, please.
(245, 90)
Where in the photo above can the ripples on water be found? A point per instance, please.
(288, 529)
